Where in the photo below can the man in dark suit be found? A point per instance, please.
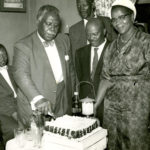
(89, 59)
(77, 33)
(43, 68)
(8, 102)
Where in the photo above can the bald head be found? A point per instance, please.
(95, 22)
(95, 31)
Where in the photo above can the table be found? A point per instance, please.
(96, 141)
(23, 141)
(12, 145)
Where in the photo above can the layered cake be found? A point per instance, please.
(74, 133)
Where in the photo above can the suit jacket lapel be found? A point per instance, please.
(41, 50)
(83, 33)
(82, 37)
(5, 84)
(42, 53)
(62, 54)
(100, 62)
(11, 77)
(88, 57)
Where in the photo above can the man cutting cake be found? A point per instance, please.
(43, 68)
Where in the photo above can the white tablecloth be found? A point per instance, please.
(96, 140)
(12, 145)
(28, 145)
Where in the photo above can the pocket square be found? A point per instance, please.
(66, 57)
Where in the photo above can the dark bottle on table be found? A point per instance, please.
(76, 107)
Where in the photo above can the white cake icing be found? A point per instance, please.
(71, 126)
(71, 122)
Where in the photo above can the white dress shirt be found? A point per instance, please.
(54, 60)
(85, 22)
(99, 51)
(4, 73)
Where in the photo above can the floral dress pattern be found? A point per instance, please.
(127, 102)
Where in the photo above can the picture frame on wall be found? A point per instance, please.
(13, 5)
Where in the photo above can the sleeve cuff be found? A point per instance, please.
(35, 100)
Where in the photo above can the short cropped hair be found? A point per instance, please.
(3, 49)
(46, 8)
(97, 21)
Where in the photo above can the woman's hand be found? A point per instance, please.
(103, 86)
(95, 109)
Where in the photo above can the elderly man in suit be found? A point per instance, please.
(8, 102)
(89, 59)
(43, 68)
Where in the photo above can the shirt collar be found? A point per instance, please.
(3, 68)
(85, 21)
(101, 45)
(41, 39)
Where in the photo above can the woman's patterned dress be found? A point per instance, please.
(127, 102)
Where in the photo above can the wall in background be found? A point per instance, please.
(12, 27)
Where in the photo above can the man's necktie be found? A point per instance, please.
(95, 62)
(48, 43)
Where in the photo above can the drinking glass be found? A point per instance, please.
(19, 137)
(28, 134)
(37, 136)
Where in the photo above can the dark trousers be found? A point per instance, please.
(8, 124)
(60, 106)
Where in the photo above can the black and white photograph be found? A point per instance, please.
(13, 5)
(74, 74)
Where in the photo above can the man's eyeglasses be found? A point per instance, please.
(120, 18)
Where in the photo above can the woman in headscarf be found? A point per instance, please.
(125, 85)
